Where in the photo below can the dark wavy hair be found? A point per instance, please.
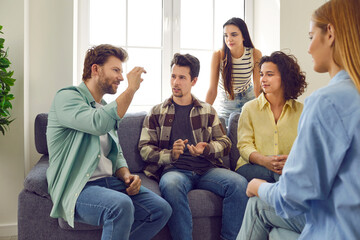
(99, 55)
(226, 73)
(187, 60)
(292, 78)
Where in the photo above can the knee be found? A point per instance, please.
(164, 209)
(237, 183)
(122, 208)
(172, 185)
(255, 205)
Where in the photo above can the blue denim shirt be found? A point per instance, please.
(74, 127)
(321, 176)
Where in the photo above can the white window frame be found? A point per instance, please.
(171, 37)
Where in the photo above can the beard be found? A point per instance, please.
(105, 84)
(178, 94)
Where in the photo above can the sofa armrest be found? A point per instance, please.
(36, 181)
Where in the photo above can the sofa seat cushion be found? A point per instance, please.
(202, 203)
(77, 226)
(36, 181)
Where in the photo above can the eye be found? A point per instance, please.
(261, 74)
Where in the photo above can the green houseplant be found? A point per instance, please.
(6, 81)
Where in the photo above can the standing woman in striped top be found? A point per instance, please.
(237, 63)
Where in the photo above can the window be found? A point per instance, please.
(152, 31)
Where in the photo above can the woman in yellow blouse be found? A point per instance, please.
(267, 126)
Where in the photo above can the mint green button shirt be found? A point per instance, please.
(73, 131)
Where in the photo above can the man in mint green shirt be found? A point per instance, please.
(88, 178)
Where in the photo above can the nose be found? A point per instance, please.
(120, 77)
(263, 78)
(175, 80)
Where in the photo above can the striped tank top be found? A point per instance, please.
(242, 69)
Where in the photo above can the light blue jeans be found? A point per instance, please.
(250, 171)
(260, 219)
(105, 202)
(175, 185)
(227, 106)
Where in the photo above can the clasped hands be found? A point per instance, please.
(276, 163)
(179, 146)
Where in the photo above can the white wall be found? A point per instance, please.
(47, 60)
(12, 144)
(51, 56)
(46, 64)
(295, 18)
(284, 25)
(267, 25)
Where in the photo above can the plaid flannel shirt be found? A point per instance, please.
(154, 144)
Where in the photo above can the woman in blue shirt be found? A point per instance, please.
(317, 195)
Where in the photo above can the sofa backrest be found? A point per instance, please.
(40, 133)
(129, 134)
(232, 134)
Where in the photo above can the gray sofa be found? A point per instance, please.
(34, 203)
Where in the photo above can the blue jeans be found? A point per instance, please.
(227, 106)
(175, 185)
(250, 171)
(105, 202)
(260, 219)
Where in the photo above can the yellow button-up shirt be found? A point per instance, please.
(258, 132)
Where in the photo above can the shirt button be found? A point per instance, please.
(76, 194)
(275, 131)
(72, 211)
(170, 120)
(275, 144)
(99, 156)
(87, 175)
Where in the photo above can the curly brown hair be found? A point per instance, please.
(292, 78)
(99, 55)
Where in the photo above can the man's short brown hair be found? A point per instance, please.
(99, 55)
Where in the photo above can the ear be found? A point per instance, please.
(330, 34)
(193, 81)
(94, 69)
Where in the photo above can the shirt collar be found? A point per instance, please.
(264, 102)
(195, 101)
(341, 75)
(83, 89)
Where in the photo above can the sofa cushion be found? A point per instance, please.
(232, 134)
(78, 226)
(36, 181)
(41, 121)
(129, 134)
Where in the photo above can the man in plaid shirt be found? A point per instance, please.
(182, 141)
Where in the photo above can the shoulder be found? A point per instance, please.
(296, 105)
(257, 53)
(335, 95)
(68, 92)
(252, 104)
(218, 55)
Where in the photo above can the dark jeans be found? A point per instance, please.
(250, 171)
